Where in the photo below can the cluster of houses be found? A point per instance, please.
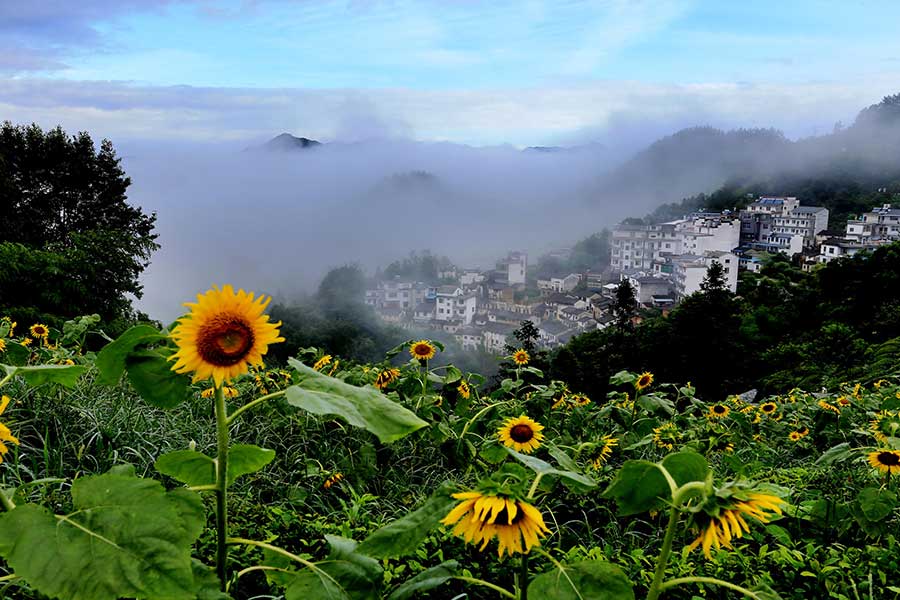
(663, 262)
(666, 261)
(481, 309)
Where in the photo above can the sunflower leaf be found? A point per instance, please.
(151, 375)
(364, 407)
(195, 468)
(544, 468)
(65, 375)
(594, 579)
(403, 536)
(128, 537)
(426, 580)
(112, 359)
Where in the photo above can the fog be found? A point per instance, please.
(275, 221)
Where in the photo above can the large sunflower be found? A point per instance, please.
(422, 350)
(768, 408)
(480, 517)
(644, 380)
(520, 357)
(39, 330)
(730, 522)
(223, 335)
(5, 434)
(603, 450)
(885, 424)
(886, 461)
(521, 434)
(718, 411)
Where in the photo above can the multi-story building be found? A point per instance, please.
(780, 224)
(840, 247)
(689, 270)
(881, 223)
(638, 247)
(451, 303)
(513, 268)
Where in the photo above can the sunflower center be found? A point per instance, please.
(521, 433)
(889, 459)
(225, 341)
(718, 409)
(421, 350)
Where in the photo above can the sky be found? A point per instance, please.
(452, 87)
(525, 72)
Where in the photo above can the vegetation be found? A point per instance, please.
(331, 478)
(70, 244)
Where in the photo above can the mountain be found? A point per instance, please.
(699, 160)
(287, 143)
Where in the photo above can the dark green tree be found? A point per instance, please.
(625, 306)
(71, 242)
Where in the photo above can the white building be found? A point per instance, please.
(451, 303)
(637, 247)
(515, 267)
(494, 336)
(779, 223)
(470, 277)
(689, 271)
(838, 248)
(881, 223)
(470, 338)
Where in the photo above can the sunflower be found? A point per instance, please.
(5, 434)
(464, 390)
(333, 480)
(579, 399)
(480, 517)
(386, 378)
(322, 362)
(422, 350)
(877, 385)
(521, 434)
(795, 436)
(223, 335)
(843, 401)
(886, 461)
(520, 357)
(718, 411)
(885, 424)
(604, 450)
(644, 381)
(2, 345)
(803, 431)
(857, 391)
(26, 341)
(229, 392)
(768, 408)
(830, 407)
(39, 331)
(729, 523)
(666, 436)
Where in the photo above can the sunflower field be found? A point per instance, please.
(180, 464)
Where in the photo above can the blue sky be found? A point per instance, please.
(467, 71)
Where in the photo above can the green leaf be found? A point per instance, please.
(544, 468)
(344, 575)
(404, 535)
(15, 354)
(195, 468)
(364, 407)
(65, 375)
(835, 454)
(152, 377)
(188, 466)
(206, 583)
(875, 503)
(590, 579)
(657, 404)
(426, 580)
(112, 358)
(126, 538)
(244, 459)
(622, 378)
(640, 485)
(764, 592)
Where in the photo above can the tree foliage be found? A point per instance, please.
(70, 243)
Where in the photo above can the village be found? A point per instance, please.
(662, 262)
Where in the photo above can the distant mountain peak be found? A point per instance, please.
(288, 142)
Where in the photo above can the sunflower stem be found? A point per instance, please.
(711, 580)
(534, 486)
(222, 487)
(251, 404)
(523, 578)
(7, 503)
(656, 586)
(486, 584)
